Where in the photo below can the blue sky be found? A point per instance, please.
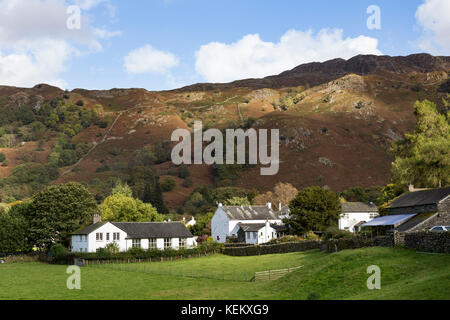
(164, 44)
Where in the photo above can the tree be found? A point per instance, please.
(168, 184)
(237, 201)
(157, 199)
(202, 225)
(121, 208)
(423, 157)
(58, 211)
(14, 230)
(283, 192)
(122, 188)
(313, 209)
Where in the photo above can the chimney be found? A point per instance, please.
(267, 223)
(279, 205)
(411, 188)
(220, 205)
(269, 205)
(97, 218)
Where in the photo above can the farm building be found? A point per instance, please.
(416, 211)
(226, 220)
(354, 214)
(145, 235)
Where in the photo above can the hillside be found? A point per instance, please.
(337, 120)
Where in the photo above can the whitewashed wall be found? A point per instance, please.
(89, 243)
(347, 221)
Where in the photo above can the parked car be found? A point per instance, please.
(440, 228)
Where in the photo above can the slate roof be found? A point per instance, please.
(251, 213)
(419, 198)
(358, 207)
(414, 221)
(142, 230)
(254, 227)
(89, 229)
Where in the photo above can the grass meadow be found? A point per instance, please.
(404, 275)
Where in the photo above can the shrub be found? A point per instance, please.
(80, 103)
(311, 236)
(187, 183)
(336, 233)
(183, 172)
(168, 184)
(57, 251)
(2, 157)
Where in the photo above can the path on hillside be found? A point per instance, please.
(104, 139)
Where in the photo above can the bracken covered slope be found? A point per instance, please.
(337, 120)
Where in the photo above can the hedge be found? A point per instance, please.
(135, 254)
(273, 248)
(334, 245)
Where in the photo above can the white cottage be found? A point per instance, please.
(145, 235)
(226, 220)
(257, 233)
(355, 214)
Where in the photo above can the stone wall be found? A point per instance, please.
(438, 242)
(254, 250)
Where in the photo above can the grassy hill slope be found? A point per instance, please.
(404, 275)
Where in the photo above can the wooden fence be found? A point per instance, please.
(272, 274)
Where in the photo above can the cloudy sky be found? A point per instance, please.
(165, 44)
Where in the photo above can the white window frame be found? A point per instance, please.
(182, 243)
(167, 243)
(136, 243)
(99, 236)
(152, 243)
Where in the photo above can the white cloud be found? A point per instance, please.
(251, 57)
(35, 44)
(433, 17)
(33, 63)
(149, 60)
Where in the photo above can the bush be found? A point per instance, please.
(2, 157)
(168, 184)
(57, 252)
(183, 172)
(187, 183)
(80, 103)
(336, 233)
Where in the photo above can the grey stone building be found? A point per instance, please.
(416, 211)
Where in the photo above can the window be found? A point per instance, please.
(152, 243)
(182, 243)
(136, 243)
(255, 235)
(107, 236)
(167, 243)
(99, 236)
(85, 238)
(116, 236)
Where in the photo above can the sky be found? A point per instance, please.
(167, 44)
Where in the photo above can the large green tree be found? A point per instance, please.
(423, 157)
(119, 207)
(58, 211)
(14, 230)
(313, 209)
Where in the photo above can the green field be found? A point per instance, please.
(404, 275)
